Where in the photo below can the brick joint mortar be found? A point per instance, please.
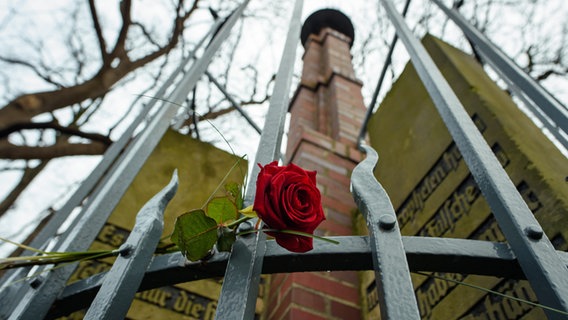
(322, 82)
(349, 152)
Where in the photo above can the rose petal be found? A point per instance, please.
(287, 198)
(294, 243)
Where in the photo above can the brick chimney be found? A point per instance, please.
(326, 113)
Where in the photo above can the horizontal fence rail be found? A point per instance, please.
(352, 253)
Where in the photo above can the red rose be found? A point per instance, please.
(287, 198)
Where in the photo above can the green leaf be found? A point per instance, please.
(222, 210)
(226, 238)
(233, 189)
(249, 212)
(195, 234)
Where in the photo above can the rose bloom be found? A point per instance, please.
(287, 198)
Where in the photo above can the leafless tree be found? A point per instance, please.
(37, 126)
(116, 60)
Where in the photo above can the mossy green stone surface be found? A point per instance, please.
(201, 167)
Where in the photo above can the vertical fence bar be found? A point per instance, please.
(122, 281)
(537, 257)
(242, 277)
(507, 68)
(371, 107)
(392, 274)
(536, 111)
(37, 301)
(233, 102)
(90, 182)
(550, 123)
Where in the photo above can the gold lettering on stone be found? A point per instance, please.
(113, 235)
(372, 296)
(89, 268)
(454, 208)
(433, 290)
(186, 303)
(157, 297)
(210, 310)
(499, 308)
(449, 161)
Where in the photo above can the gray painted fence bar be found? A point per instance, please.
(537, 112)
(242, 277)
(389, 259)
(507, 68)
(122, 281)
(536, 255)
(511, 74)
(37, 301)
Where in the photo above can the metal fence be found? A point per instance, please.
(528, 253)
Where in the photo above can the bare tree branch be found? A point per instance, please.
(55, 126)
(145, 32)
(99, 32)
(43, 75)
(119, 46)
(23, 108)
(61, 149)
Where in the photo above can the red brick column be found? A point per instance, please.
(326, 114)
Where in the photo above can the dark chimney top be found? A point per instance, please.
(331, 18)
